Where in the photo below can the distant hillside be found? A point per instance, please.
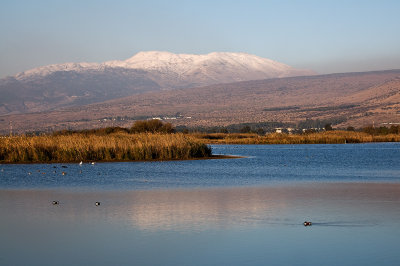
(355, 99)
(71, 88)
(73, 84)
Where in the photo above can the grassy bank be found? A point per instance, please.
(328, 137)
(113, 147)
(122, 146)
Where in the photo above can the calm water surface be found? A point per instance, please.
(264, 165)
(216, 212)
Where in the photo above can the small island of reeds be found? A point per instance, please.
(143, 142)
(112, 147)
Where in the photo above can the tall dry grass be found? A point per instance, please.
(328, 137)
(113, 147)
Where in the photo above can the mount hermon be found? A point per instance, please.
(71, 84)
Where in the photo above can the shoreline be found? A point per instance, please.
(327, 137)
(283, 143)
(212, 157)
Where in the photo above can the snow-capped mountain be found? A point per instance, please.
(217, 67)
(67, 84)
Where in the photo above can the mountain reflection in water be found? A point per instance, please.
(353, 224)
(205, 208)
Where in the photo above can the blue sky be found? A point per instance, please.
(326, 36)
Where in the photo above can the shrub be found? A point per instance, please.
(152, 126)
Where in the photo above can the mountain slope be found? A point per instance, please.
(356, 99)
(74, 84)
(70, 88)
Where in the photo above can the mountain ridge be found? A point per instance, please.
(355, 99)
(73, 84)
(159, 60)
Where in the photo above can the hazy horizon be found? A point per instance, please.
(326, 37)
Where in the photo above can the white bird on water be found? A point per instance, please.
(81, 163)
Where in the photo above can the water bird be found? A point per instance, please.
(307, 223)
(55, 202)
(64, 173)
(93, 163)
(29, 173)
(81, 163)
(97, 203)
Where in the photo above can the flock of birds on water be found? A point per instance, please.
(63, 166)
(56, 202)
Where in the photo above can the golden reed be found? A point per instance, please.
(112, 147)
(328, 137)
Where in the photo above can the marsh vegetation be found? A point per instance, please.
(90, 147)
(326, 137)
(155, 140)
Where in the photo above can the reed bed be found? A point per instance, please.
(328, 137)
(113, 147)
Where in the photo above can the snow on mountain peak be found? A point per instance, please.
(49, 69)
(186, 68)
(225, 61)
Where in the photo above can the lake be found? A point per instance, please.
(247, 211)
